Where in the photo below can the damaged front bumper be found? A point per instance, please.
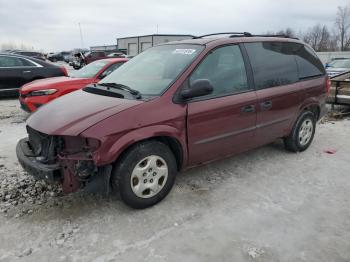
(49, 172)
(66, 171)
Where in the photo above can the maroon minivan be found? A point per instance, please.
(174, 106)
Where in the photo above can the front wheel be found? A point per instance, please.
(144, 174)
(302, 133)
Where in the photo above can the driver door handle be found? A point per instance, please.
(26, 72)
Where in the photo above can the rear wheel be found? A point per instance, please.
(302, 133)
(144, 174)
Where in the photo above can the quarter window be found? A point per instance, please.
(26, 62)
(273, 64)
(224, 68)
(309, 64)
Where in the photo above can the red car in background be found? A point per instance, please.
(40, 92)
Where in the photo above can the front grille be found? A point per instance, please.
(44, 146)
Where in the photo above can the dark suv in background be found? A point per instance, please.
(174, 106)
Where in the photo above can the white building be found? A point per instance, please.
(136, 44)
(110, 48)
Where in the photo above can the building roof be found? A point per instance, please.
(155, 35)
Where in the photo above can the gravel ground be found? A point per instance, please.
(264, 205)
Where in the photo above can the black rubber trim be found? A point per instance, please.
(33, 167)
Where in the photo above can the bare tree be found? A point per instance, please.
(319, 38)
(287, 32)
(325, 40)
(313, 35)
(342, 23)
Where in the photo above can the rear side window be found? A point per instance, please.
(26, 62)
(273, 64)
(309, 64)
(8, 61)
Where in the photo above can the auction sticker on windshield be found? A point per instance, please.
(184, 51)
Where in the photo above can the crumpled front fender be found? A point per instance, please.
(111, 151)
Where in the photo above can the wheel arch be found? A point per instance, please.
(309, 105)
(171, 142)
(170, 136)
(314, 108)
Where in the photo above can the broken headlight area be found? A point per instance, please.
(77, 146)
(43, 147)
(49, 148)
(72, 155)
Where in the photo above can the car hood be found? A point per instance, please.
(334, 71)
(338, 69)
(52, 83)
(73, 113)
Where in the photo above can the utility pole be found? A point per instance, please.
(81, 36)
(157, 28)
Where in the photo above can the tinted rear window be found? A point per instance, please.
(309, 64)
(273, 64)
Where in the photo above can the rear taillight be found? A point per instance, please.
(64, 70)
(328, 85)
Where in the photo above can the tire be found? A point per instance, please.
(299, 140)
(140, 174)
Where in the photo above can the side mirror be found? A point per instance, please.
(199, 87)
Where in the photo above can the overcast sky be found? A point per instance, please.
(53, 25)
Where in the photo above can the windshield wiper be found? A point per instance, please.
(134, 92)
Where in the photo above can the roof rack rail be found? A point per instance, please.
(245, 34)
(279, 35)
(225, 33)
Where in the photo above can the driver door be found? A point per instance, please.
(223, 122)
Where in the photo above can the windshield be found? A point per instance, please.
(340, 63)
(89, 70)
(155, 69)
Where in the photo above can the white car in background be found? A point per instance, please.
(338, 67)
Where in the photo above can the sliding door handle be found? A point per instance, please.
(248, 109)
(265, 105)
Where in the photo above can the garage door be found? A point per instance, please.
(145, 45)
(132, 49)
